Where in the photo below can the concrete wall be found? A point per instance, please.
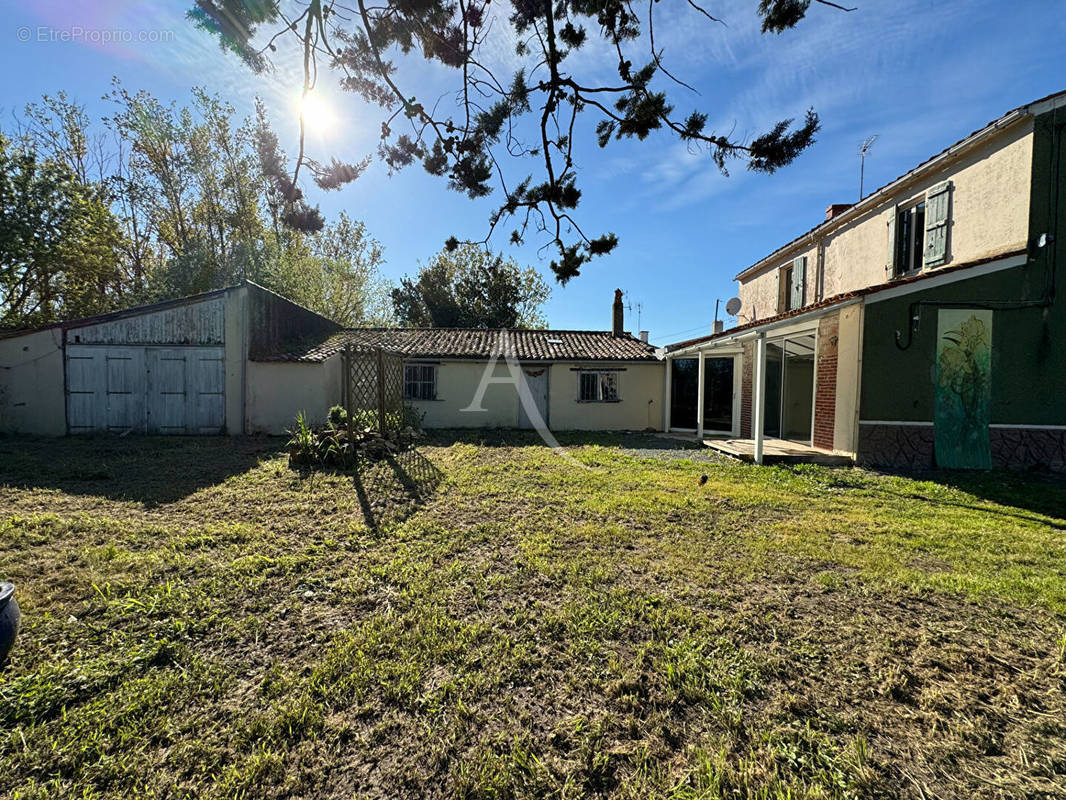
(849, 370)
(278, 391)
(32, 393)
(457, 383)
(640, 389)
(759, 296)
(989, 215)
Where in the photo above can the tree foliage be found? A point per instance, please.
(58, 240)
(469, 287)
(158, 201)
(531, 114)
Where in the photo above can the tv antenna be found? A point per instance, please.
(733, 306)
(638, 305)
(864, 148)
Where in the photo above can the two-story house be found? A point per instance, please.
(917, 327)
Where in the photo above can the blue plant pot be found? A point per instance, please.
(9, 619)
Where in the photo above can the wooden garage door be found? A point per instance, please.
(178, 390)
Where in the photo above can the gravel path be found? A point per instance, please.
(647, 445)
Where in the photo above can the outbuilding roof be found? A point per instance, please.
(477, 345)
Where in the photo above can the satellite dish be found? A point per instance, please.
(732, 307)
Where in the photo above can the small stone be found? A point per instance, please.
(309, 593)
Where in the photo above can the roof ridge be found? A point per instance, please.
(481, 330)
(841, 297)
(864, 203)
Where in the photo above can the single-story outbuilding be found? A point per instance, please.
(245, 360)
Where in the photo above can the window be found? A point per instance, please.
(420, 381)
(792, 286)
(910, 239)
(784, 290)
(597, 386)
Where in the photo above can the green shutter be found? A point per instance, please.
(937, 223)
(799, 281)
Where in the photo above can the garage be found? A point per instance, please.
(163, 390)
(189, 366)
(159, 371)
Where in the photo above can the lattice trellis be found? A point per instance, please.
(373, 389)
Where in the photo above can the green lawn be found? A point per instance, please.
(485, 619)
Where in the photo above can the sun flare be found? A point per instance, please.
(316, 113)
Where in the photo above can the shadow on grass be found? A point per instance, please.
(1035, 492)
(512, 437)
(153, 470)
(390, 489)
(1039, 492)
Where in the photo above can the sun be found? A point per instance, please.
(316, 113)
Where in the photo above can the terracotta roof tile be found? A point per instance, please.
(842, 297)
(476, 344)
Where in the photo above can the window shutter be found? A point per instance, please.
(937, 221)
(799, 281)
(890, 268)
(782, 290)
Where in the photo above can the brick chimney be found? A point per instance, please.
(836, 210)
(617, 315)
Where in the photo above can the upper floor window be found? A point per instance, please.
(420, 381)
(920, 232)
(910, 239)
(792, 285)
(597, 386)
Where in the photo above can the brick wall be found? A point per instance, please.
(745, 390)
(825, 376)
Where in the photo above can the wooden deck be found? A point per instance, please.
(777, 451)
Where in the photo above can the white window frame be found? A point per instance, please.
(415, 387)
(605, 387)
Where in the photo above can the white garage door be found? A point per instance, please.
(178, 390)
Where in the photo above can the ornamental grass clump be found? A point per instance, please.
(340, 444)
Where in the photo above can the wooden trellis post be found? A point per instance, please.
(381, 392)
(349, 369)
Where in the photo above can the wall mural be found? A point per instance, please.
(963, 388)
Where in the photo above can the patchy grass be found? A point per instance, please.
(199, 622)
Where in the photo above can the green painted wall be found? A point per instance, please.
(1028, 345)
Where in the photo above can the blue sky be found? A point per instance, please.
(918, 73)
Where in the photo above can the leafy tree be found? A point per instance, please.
(469, 287)
(531, 114)
(58, 241)
(163, 201)
(337, 273)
